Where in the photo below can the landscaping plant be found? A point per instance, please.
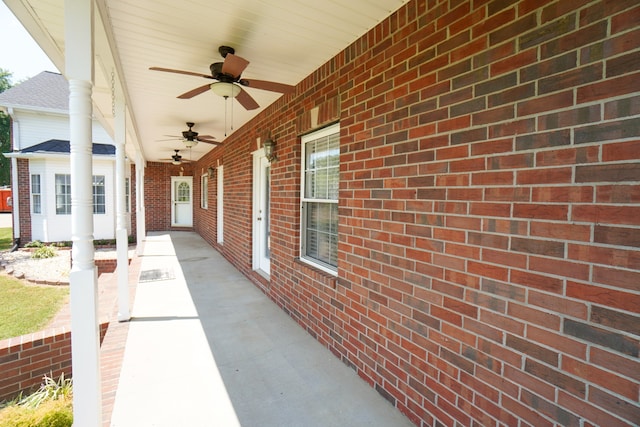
(44, 252)
(49, 406)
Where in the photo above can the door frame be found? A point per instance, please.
(259, 263)
(189, 179)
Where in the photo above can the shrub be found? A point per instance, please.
(50, 406)
(44, 252)
(34, 244)
(54, 413)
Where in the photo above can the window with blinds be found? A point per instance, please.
(99, 196)
(36, 194)
(63, 194)
(320, 185)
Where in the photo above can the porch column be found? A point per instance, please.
(140, 212)
(122, 243)
(85, 337)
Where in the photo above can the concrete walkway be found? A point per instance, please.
(206, 348)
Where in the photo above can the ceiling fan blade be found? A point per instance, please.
(194, 92)
(246, 100)
(267, 85)
(234, 65)
(209, 141)
(188, 73)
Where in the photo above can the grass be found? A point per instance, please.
(27, 308)
(6, 238)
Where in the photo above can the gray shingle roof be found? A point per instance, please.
(46, 90)
(63, 146)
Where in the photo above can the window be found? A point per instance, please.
(204, 191)
(63, 194)
(127, 195)
(98, 195)
(320, 181)
(36, 195)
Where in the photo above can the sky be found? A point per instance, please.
(19, 53)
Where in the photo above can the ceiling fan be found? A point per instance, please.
(176, 159)
(191, 137)
(229, 83)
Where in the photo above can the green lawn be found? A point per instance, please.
(27, 308)
(6, 238)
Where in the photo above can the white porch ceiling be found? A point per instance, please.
(284, 40)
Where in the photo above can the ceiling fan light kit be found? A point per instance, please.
(225, 90)
(189, 143)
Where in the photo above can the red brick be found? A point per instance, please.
(615, 277)
(626, 367)
(611, 298)
(607, 89)
(560, 268)
(603, 214)
(540, 104)
(553, 230)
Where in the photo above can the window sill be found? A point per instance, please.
(318, 274)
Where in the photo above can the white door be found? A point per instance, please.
(181, 197)
(261, 214)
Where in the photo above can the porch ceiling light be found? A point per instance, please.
(269, 149)
(225, 89)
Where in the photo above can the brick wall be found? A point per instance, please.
(26, 359)
(157, 193)
(489, 211)
(24, 201)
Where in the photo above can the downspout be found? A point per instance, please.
(15, 146)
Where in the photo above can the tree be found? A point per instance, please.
(5, 135)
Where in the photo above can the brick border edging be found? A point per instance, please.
(24, 360)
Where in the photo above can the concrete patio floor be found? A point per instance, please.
(206, 348)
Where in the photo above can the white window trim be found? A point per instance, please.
(311, 261)
(104, 194)
(204, 191)
(67, 178)
(39, 194)
(220, 205)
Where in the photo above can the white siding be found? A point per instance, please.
(50, 227)
(33, 128)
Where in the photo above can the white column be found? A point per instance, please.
(140, 212)
(85, 336)
(122, 243)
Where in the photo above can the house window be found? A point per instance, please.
(127, 195)
(320, 179)
(204, 191)
(36, 194)
(98, 195)
(63, 194)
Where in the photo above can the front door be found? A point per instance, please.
(261, 214)
(181, 205)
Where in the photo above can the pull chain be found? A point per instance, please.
(226, 98)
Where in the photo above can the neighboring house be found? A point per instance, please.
(41, 181)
